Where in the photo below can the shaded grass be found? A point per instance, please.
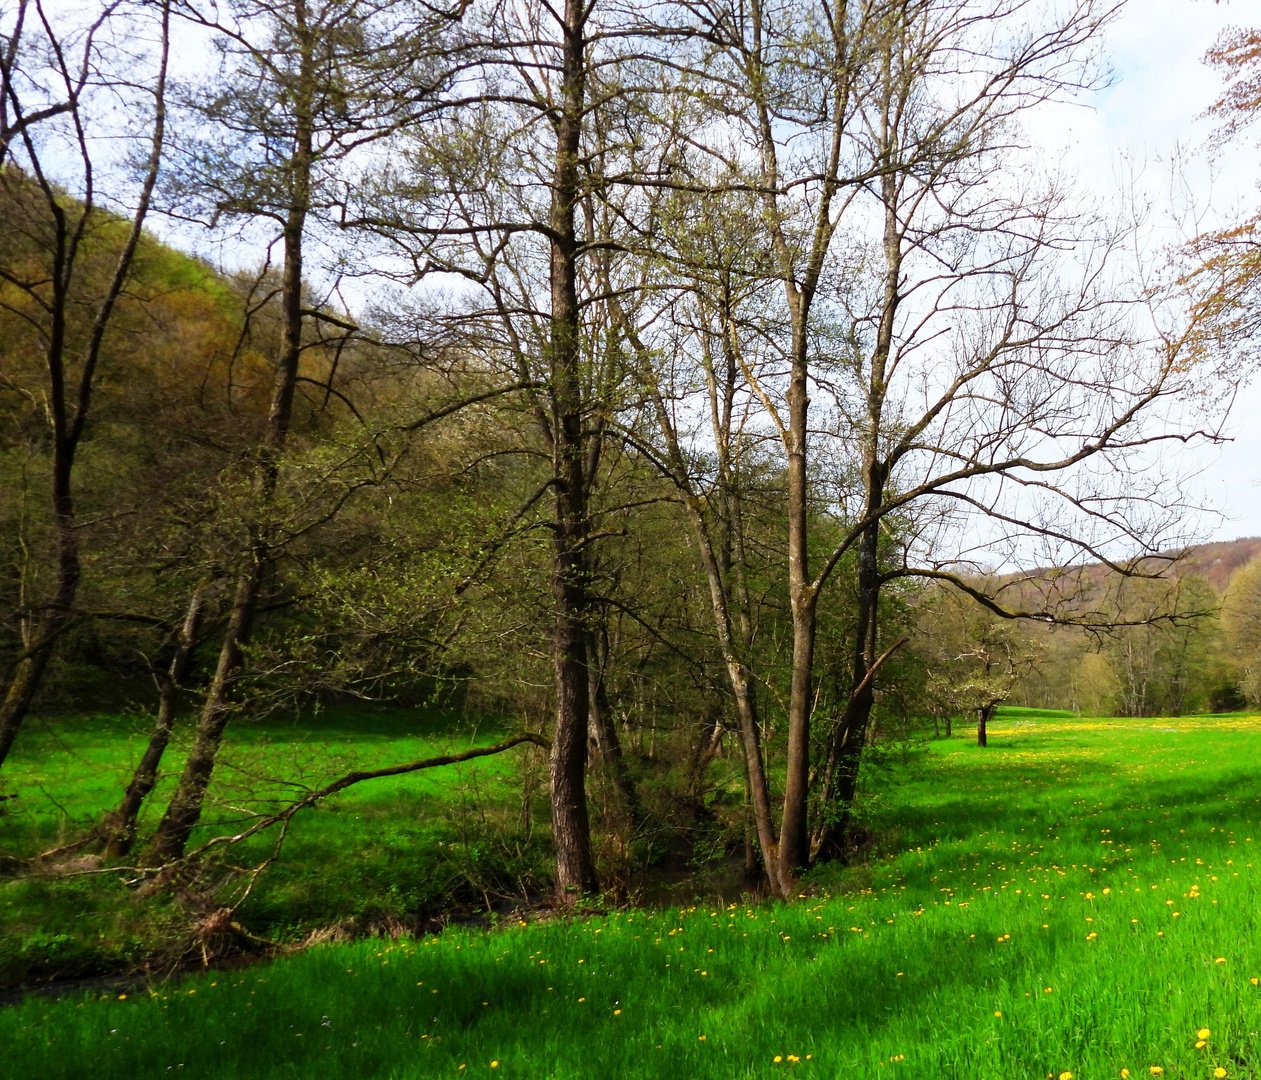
(1080, 897)
(385, 851)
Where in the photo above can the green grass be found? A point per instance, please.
(384, 851)
(1081, 897)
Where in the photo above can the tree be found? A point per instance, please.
(1241, 620)
(932, 357)
(510, 195)
(54, 75)
(1223, 279)
(299, 91)
(975, 658)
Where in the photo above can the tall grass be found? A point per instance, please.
(1080, 898)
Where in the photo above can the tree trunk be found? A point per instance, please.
(983, 716)
(604, 735)
(184, 810)
(845, 753)
(120, 827)
(844, 757)
(738, 674)
(575, 870)
(794, 836)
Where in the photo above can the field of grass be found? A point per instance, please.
(1079, 899)
(385, 850)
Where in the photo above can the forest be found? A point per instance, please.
(691, 413)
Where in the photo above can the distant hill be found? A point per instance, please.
(1081, 588)
(1218, 562)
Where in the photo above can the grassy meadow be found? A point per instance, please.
(1079, 899)
(382, 852)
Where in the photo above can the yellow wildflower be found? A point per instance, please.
(1203, 1033)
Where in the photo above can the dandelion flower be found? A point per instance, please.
(700, 1038)
(1219, 1072)
(494, 1064)
(1066, 1076)
(1156, 1070)
(1203, 1033)
(1200, 1044)
(1125, 1074)
(779, 1058)
(997, 1012)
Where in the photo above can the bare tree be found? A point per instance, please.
(55, 74)
(512, 197)
(954, 350)
(302, 88)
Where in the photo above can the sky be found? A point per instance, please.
(1145, 120)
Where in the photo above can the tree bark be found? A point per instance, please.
(575, 870)
(120, 827)
(844, 756)
(603, 731)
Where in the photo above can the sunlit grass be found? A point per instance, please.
(1081, 897)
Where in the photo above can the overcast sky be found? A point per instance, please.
(1160, 88)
